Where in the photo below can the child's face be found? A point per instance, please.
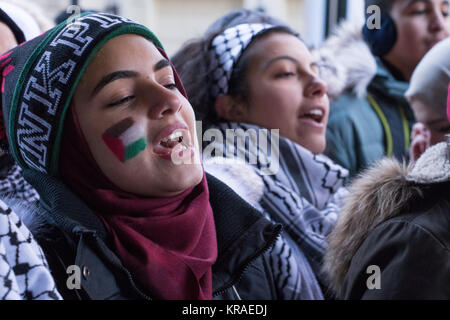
(139, 127)
(420, 25)
(286, 92)
(436, 124)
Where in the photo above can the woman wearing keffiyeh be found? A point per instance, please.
(260, 76)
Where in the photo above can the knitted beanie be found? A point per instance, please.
(429, 81)
(40, 77)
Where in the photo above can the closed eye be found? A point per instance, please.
(285, 75)
(170, 86)
(121, 101)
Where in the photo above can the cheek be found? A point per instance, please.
(125, 139)
(412, 33)
(275, 103)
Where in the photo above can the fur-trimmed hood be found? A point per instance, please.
(345, 61)
(377, 195)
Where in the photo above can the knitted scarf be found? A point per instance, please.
(305, 194)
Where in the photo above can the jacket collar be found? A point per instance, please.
(386, 83)
(243, 234)
(433, 166)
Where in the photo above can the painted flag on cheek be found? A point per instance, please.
(125, 139)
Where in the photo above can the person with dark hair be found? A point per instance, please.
(256, 79)
(192, 57)
(372, 68)
(115, 203)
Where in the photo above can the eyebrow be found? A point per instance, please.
(121, 74)
(124, 74)
(161, 64)
(410, 2)
(271, 61)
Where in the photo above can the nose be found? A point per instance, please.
(439, 22)
(316, 88)
(162, 102)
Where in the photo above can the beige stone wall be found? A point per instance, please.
(175, 21)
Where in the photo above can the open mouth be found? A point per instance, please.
(174, 141)
(316, 114)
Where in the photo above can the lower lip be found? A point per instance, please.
(311, 123)
(166, 153)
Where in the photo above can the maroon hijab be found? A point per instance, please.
(168, 244)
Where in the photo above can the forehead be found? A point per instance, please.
(126, 52)
(131, 52)
(401, 4)
(278, 44)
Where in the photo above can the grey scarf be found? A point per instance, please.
(303, 191)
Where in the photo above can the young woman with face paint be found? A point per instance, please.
(124, 197)
(258, 76)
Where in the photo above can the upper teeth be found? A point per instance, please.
(316, 112)
(173, 136)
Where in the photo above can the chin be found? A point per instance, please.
(314, 144)
(187, 176)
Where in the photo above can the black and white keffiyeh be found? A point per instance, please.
(305, 193)
(24, 272)
(225, 50)
(14, 186)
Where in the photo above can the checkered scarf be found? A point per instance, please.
(226, 49)
(24, 272)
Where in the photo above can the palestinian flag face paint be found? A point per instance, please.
(125, 139)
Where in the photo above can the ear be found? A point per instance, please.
(230, 108)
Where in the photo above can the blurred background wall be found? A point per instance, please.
(175, 21)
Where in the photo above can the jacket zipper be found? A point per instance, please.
(120, 267)
(215, 294)
(266, 248)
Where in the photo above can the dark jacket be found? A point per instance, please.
(393, 237)
(75, 236)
